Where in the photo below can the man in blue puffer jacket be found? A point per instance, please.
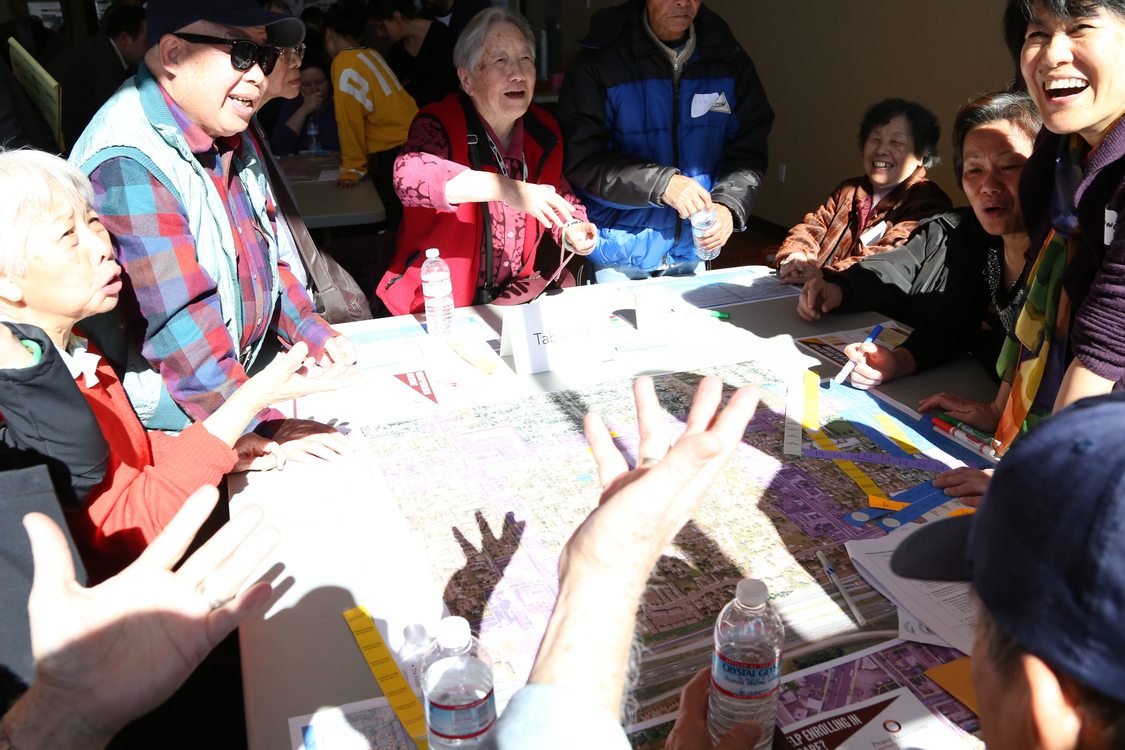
(663, 115)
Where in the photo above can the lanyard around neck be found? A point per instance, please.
(501, 162)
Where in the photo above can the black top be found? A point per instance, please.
(431, 75)
(946, 283)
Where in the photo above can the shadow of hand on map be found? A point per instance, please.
(470, 588)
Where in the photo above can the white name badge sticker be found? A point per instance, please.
(874, 234)
(1110, 225)
(552, 334)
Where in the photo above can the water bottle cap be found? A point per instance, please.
(432, 252)
(751, 592)
(453, 632)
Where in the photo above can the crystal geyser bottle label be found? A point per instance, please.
(740, 679)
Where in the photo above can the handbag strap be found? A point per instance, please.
(476, 139)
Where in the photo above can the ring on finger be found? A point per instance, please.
(647, 461)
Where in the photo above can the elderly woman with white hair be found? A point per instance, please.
(480, 177)
(57, 268)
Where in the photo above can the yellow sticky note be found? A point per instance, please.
(385, 670)
(810, 419)
(878, 501)
(956, 678)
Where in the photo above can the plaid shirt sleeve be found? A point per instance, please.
(185, 338)
(295, 319)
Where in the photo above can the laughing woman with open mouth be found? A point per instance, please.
(1069, 341)
(878, 211)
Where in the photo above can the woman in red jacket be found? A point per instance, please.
(492, 199)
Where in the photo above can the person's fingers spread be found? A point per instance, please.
(732, 421)
(653, 432)
(171, 544)
(224, 620)
(221, 545)
(229, 574)
(708, 396)
(611, 464)
(54, 566)
(685, 472)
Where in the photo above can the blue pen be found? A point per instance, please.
(846, 370)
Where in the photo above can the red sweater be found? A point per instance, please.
(149, 476)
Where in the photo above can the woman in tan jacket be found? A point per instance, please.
(876, 212)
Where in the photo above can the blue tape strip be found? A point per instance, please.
(862, 518)
(918, 508)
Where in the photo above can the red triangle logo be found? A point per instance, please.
(419, 382)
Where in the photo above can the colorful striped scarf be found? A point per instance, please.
(1034, 357)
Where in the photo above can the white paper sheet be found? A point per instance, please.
(945, 608)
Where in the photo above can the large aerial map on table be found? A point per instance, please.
(494, 492)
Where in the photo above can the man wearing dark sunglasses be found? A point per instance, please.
(182, 188)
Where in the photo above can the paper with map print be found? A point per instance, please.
(494, 492)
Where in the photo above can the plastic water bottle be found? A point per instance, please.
(313, 131)
(457, 683)
(701, 223)
(416, 642)
(437, 290)
(746, 668)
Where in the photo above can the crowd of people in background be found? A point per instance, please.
(159, 290)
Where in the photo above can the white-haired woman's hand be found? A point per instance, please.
(541, 201)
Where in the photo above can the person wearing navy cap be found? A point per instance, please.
(1046, 556)
(182, 188)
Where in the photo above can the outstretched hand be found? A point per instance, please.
(605, 565)
(108, 654)
(294, 374)
(540, 201)
(643, 509)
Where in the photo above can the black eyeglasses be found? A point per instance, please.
(243, 52)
